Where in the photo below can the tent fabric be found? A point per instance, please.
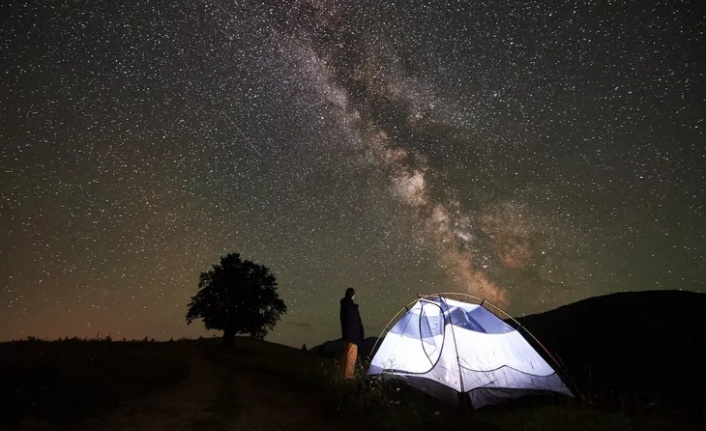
(446, 347)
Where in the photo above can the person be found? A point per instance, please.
(352, 332)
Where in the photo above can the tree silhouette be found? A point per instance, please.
(238, 297)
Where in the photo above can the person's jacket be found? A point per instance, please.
(351, 324)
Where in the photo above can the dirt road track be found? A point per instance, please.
(260, 403)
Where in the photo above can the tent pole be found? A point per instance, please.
(558, 363)
(461, 394)
(386, 328)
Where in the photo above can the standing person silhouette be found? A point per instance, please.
(352, 332)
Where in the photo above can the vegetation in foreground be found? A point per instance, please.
(65, 382)
(384, 404)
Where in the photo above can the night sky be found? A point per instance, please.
(533, 153)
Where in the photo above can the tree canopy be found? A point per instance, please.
(238, 297)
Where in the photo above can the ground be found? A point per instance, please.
(199, 385)
(214, 396)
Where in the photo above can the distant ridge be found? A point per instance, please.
(647, 344)
(334, 348)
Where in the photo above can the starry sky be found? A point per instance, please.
(533, 153)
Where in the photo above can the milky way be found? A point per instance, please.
(528, 153)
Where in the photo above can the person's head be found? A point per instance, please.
(350, 293)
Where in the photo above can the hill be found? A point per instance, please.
(256, 385)
(636, 356)
(189, 384)
(631, 348)
(334, 349)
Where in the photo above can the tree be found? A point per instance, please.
(238, 297)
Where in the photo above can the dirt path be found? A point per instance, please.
(215, 398)
(184, 407)
(274, 406)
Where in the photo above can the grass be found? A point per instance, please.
(226, 406)
(397, 407)
(385, 404)
(62, 382)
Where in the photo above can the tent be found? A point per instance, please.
(448, 348)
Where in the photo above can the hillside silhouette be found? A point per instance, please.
(642, 348)
(636, 358)
(333, 349)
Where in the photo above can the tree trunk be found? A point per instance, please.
(228, 337)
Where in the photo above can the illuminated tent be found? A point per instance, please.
(448, 348)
